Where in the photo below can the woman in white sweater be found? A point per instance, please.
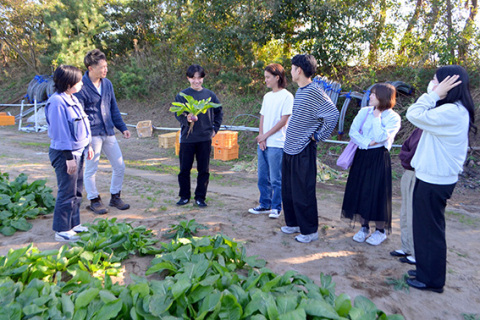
(445, 115)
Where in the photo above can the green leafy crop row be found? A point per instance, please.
(199, 278)
(211, 278)
(20, 201)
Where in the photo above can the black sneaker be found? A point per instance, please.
(183, 201)
(200, 203)
(259, 210)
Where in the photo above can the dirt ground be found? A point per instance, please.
(357, 269)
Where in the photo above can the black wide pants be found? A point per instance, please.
(429, 202)
(188, 151)
(299, 179)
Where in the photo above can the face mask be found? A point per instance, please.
(430, 87)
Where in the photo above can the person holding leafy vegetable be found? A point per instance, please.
(197, 130)
(69, 131)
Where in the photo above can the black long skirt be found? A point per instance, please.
(368, 193)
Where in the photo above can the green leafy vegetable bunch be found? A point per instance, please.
(193, 107)
(20, 200)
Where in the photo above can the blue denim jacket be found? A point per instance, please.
(68, 127)
(102, 110)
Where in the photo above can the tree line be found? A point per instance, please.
(242, 33)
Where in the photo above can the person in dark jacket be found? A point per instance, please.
(98, 99)
(197, 143)
(407, 184)
(69, 131)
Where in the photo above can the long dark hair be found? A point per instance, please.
(459, 93)
(277, 70)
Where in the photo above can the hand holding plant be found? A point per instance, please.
(193, 108)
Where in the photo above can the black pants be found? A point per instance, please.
(66, 214)
(200, 150)
(299, 180)
(429, 202)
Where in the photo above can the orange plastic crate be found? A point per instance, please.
(7, 120)
(177, 143)
(225, 154)
(225, 139)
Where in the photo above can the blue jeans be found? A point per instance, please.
(109, 146)
(66, 214)
(270, 177)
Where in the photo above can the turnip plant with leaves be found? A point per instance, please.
(193, 107)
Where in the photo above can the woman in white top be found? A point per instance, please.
(368, 193)
(445, 114)
(276, 109)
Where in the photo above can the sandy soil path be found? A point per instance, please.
(357, 269)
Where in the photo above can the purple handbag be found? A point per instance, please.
(346, 158)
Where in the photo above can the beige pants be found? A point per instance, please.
(407, 185)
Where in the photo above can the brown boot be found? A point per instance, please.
(96, 205)
(118, 203)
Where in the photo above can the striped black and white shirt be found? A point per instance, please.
(313, 111)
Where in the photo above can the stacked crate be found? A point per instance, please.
(6, 120)
(225, 145)
(167, 140)
(170, 140)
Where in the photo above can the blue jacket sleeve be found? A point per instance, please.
(115, 112)
(58, 129)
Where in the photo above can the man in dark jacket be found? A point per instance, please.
(198, 142)
(98, 99)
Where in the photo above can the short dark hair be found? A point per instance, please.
(306, 62)
(93, 58)
(66, 77)
(194, 68)
(277, 70)
(459, 93)
(386, 95)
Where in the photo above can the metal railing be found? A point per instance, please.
(35, 105)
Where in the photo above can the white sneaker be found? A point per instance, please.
(376, 238)
(290, 230)
(306, 238)
(80, 228)
(361, 235)
(259, 210)
(69, 235)
(275, 214)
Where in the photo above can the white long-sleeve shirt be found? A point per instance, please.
(442, 149)
(381, 130)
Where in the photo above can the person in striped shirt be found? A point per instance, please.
(314, 116)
